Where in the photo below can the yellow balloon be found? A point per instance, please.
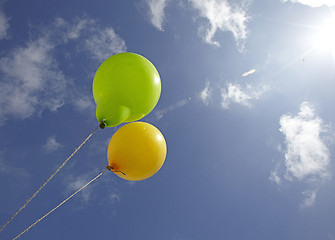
(136, 151)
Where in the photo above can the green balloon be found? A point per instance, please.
(126, 87)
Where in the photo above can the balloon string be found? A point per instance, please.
(60, 204)
(45, 183)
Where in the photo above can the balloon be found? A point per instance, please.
(126, 87)
(136, 151)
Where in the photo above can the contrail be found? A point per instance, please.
(160, 113)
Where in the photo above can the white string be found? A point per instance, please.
(59, 205)
(45, 183)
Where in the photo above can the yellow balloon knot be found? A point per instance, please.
(114, 169)
(110, 168)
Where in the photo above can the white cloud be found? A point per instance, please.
(31, 79)
(100, 43)
(84, 103)
(307, 157)
(205, 94)
(234, 93)
(52, 145)
(4, 24)
(306, 153)
(75, 183)
(114, 197)
(157, 13)
(310, 197)
(104, 44)
(68, 31)
(314, 3)
(222, 16)
(274, 176)
(7, 168)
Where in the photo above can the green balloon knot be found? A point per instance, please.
(102, 124)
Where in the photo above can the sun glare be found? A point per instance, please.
(326, 36)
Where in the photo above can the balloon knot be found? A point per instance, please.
(111, 168)
(102, 124)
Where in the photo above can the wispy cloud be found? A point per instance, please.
(222, 16)
(310, 197)
(231, 94)
(99, 42)
(73, 183)
(104, 43)
(274, 176)
(31, 78)
(251, 71)
(157, 13)
(52, 145)
(306, 156)
(4, 23)
(7, 168)
(234, 93)
(205, 94)
(313, 3)
(160, 113)
(83, 103)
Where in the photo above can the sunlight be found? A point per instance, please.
(326, 36)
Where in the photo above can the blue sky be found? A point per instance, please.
(246, 109)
